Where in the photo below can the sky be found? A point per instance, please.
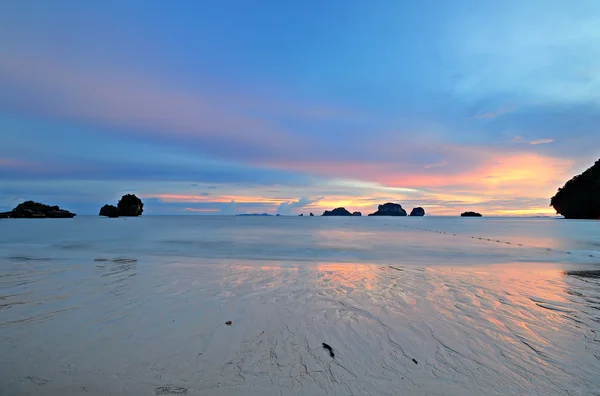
(229, 107)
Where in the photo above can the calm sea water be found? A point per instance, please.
(427, 240)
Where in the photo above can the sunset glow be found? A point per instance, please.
(200, 119)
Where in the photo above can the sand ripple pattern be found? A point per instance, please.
(119, 325)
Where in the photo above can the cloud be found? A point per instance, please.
(494, 114)
(128, 101)
(436, 165)
(541, 141)
(287, 208)
(228, 209)
(520, 139)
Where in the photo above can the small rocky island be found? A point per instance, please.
(337, 212)
(579, 198)
(471, 214)
(128, 206)
(357, 214)
(389, 209)
(418, 211)
(36, 210)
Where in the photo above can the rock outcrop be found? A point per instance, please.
(579, 198)
(418, 211)
(109, 211)
(311, 215)
(389, 209)
(301, 214)
(356, 214)
(470, 214)
(337, 212)
(129, 206)
(35, 210)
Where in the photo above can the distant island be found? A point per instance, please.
(253, 214)
(337, 212)
(129, 206)
(471, 214)
(418, 211)
(36, 210)
(389, 209)
(579, 198)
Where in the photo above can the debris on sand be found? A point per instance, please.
(330, 349)
(228, 323)
(415, 360)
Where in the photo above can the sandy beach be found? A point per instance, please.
(155, 325)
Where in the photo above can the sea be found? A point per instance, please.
(410, 305)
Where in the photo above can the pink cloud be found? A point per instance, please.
(138, 103)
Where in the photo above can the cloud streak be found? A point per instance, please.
(287, 208)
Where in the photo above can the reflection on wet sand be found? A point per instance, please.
(394, 329)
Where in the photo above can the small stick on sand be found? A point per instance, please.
(330, 349)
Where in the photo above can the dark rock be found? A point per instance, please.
(579, 198)
(389, 209)
(109, 211)
(35, 210)
(301, 214)
(337, 212)
(311, 215)
(356, 214)
(130, 205)
(418, 211)
(228, 323)
(470, 214)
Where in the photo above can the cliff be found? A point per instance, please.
(579, 198)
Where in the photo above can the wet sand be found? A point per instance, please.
(156, 326)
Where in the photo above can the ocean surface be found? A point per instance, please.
(432, 305)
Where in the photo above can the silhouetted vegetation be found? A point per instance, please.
(36, 210)
(579, 198)
(389, 209)
(337, 212)
(129, 205)
(418, 211)
(109, 211)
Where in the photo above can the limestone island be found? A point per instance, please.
(471, 214)
(337, 212)
(389, 209)
(579, 198)
(128, 206)
(418, 211)
(35, 210)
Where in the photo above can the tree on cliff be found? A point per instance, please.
(579, 198)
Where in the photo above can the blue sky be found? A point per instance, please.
(234, 106)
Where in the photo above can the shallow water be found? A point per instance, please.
(409, 306)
